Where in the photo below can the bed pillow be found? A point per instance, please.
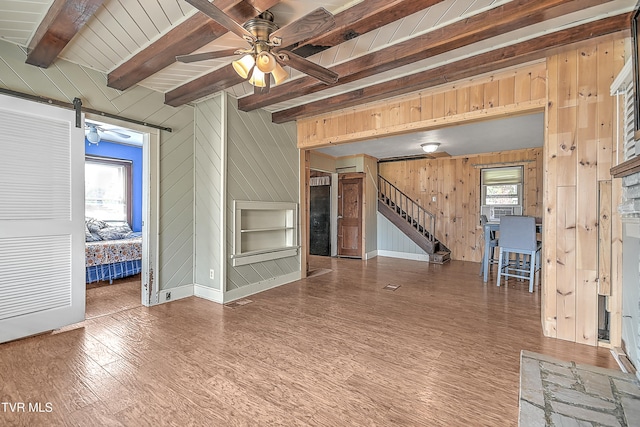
(89, 236)
(95, 225)
(115, 232)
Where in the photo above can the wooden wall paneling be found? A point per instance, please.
(410, 110)
(462, 100)
(455, 184)
(604, 237)
(523, 86)
(476, 98)
(566, 263)
(566, 100)
(531, 192)
(426, 106)
(506, 88)
(621, 48)
(492, 94)
(550, 203)
(468, 189)
(587, 307)
(450, 103)
(586, 196)
(390, 115)
(439, 105)
(606, 102)
(538, 83)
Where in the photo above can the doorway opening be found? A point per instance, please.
(115, 207)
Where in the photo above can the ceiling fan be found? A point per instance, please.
(264, 57)
(94, 138)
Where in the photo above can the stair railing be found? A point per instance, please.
(421, 219)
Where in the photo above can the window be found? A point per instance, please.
(108, 189)
(502, 186)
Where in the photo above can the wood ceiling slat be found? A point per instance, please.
(62, 22)
(502, 19)
(127, 23)
(185, 38)
(520, 53)
(141, 18)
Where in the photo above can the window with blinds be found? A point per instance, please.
(502, 186)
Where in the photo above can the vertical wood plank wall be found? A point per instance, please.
(576, 194)
(508, 92)
(455, 184)
(581, 124)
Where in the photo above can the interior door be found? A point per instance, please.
(320, 220)
(42, 263)
(350, 214)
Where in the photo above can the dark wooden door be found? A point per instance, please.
(350, 215)
(320, 220)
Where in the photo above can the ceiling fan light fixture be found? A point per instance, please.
(93, 136)
(430, 147)
(244, 65)
(258, 78)
(266, 62)
(279, 74)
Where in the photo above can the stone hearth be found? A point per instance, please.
(558, 393)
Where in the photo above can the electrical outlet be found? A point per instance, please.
(211, 274)
(433, 198)
(168, 296)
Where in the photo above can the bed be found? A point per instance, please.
(111, 252)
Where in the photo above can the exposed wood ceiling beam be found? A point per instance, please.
(185, 38)
(62, 22)
(220, 79)
(360, 19)
(366, 16)
(520, 53)
(499, 20)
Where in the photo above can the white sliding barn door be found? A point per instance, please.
(42, 284)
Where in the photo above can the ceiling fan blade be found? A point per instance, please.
(310, 25)
(120, 134)
(221, 18)
(195, 57)
(311, 68)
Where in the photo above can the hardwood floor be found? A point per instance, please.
(333, 350)
(104, 298)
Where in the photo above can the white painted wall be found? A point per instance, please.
(262, 165)
(394, 243)
(209, 192)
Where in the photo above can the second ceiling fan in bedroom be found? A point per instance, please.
(264, 57)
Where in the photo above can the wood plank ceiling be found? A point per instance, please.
(379, 48)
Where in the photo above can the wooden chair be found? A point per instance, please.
(518, 236)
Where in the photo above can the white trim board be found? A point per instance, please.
(178, 292)
(261, 286)
(208, 293)
(369, 255)
(403, 255)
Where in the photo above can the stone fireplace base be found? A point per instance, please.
(558, 393)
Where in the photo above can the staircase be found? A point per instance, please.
(412, 219)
